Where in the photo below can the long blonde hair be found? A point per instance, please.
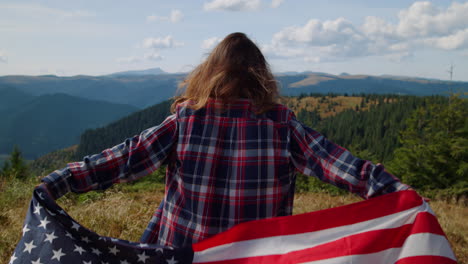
(236, 68)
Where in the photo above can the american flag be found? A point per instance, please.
(394, 228)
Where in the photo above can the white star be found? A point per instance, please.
(29, 246)
(79, 249)
(124, 262)
(171, 261)
(114, 239)
(86, 262)
(142, 257)
(143, 245)
(75, 226)
(50, 237)
(96, 251)
(85, 239)
(40, 196)
(62, 212)
(69, 235)
(58, 254)
(114, 250)
(44, 223)
(37, 209)
(38, 261)
(25, 229)
(13, 258)
(160, 250)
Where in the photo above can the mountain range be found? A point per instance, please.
(40, 124)
(43, 113)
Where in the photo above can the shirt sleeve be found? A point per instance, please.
(314, 155)
(128, 161)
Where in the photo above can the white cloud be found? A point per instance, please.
(233, 5)
(276, 3)
(455, 41)
(3, 57)
(424, 19)
(174, 17)
(153, 56)
(419, 26)
(161, 43)
(210, 43)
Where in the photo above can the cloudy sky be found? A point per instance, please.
(398, 37)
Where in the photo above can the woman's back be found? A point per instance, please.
(229, 165)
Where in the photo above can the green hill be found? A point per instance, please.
(45, 123)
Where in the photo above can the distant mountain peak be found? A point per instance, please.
(152, 71)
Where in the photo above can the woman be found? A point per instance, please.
(231, 153)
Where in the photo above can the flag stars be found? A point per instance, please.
(44, 223)
(171, 261)
(114, 250)
(85, 239)
(87, 262)
(75, 226)
(29, 246)
(67, 234)
(142, 257)
(37, 209)
(25, 229)
(124, 262)
(13, 258)
(38, 261)
(96, 251)
(58, 254)
(79, 249)
(50, 237)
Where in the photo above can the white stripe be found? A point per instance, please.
(288, 243)
(424, 244)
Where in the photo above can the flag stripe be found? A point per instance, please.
(437, 247)
(286, 243)
(310, 222)
(361, 243)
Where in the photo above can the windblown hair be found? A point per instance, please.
(235, 69)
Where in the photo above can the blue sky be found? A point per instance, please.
(402, 37)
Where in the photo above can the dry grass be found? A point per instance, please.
(326, 106)
(124, 213)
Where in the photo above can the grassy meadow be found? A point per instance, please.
(124, 210)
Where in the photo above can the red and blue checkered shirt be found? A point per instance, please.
(224, 167)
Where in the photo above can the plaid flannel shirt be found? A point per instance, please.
(223, 168)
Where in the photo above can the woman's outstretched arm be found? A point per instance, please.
(128, 161)
(314, 155)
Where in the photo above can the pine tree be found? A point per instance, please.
(16, 167)
(434, 150)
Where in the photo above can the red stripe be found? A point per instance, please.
(358, 244)
(426, 260)
(314, 221)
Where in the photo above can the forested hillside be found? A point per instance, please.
(40, 124)
(95, 140)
